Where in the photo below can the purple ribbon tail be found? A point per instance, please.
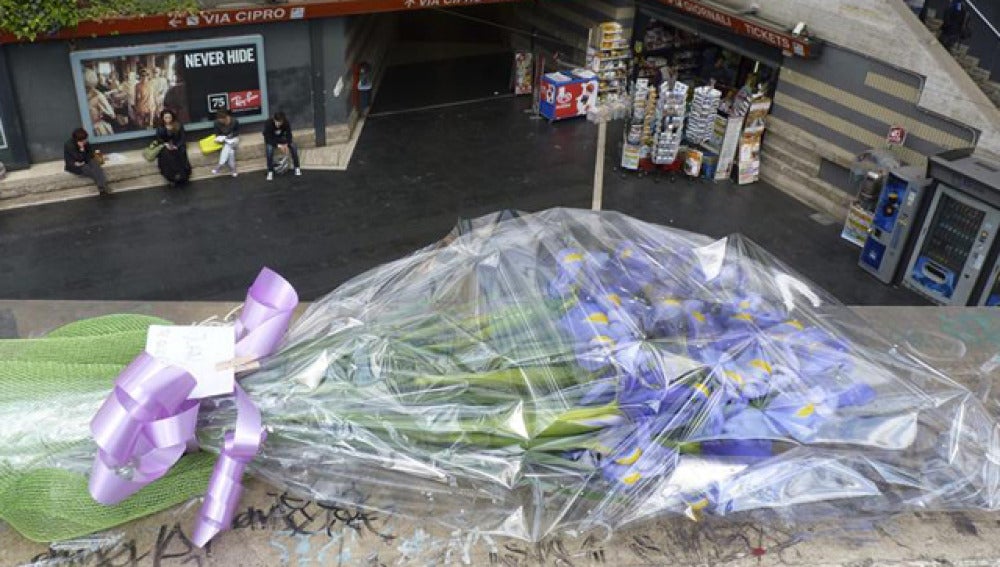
(225, 486)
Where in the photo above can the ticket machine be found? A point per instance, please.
(954, 256)
(897, 217)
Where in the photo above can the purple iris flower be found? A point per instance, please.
(700, 322)
(602, 391)
(731, 278)
(576, 273)
(631, 453)
(666, 316)
(856, 395)
(787, 416)
(819, 352)
(752, 448)
(671, 405)
(633, 267)
(584, 321)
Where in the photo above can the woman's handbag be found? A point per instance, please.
(208, 144)
(152, 150)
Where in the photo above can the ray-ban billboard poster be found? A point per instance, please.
(121, 91)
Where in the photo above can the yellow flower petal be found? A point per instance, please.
(701, 388)
(745, 304)
(806, 411)
(631, 459)
(598, 318)
(626, 253)
(670, 301)
(632, 478)
(604, 340)
(762, 364)
(795, 323)
(699, 505)
(572, 258)
(734, 376)
(699, 316)
(614, 298)
(744, 317)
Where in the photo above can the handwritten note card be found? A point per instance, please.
(199, 350)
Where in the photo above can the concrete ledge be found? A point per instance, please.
(47, 182)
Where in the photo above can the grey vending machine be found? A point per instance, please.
(897, 217)
(950, 262)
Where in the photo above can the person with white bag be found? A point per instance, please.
(227, 133)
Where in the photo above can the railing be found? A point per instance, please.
(986, 21)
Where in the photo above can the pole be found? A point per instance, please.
(602, 137)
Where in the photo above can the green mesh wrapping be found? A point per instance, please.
(74, 366)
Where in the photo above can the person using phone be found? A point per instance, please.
(82, 159)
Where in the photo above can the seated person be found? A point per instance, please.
(278, 134)
(172, 159)
(80, 160)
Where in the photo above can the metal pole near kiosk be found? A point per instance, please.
(602, 138)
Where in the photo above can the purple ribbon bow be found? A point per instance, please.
(149, 420)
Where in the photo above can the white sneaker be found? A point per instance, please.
(270, 176)
(298, 172)
(234, 173)
(215, 171)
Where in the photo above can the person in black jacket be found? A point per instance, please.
(227, 133)
(278, 135)
(79, 158)
(956, 24)
(173, 159)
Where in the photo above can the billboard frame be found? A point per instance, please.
(77, 58)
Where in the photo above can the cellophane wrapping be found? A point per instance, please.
(570, 370)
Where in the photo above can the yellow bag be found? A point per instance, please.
(208, 144)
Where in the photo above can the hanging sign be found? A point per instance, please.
(244, 16)
(896, 136)
(783, 40)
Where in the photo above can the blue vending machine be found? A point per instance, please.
(954, 258)
(990, 295)
(897, 216)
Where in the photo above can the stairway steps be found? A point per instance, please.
(814, 192)
(968, 61)
(791, 153)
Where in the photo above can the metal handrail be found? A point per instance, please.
(989, 24)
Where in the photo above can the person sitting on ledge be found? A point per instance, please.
(82, 159)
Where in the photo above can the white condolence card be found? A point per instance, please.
(206, 353)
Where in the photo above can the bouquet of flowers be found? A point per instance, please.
(564, 369)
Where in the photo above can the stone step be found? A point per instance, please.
(967, 61)
(979, 75)
(789, 152)
(809, 143)
(812, 191)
